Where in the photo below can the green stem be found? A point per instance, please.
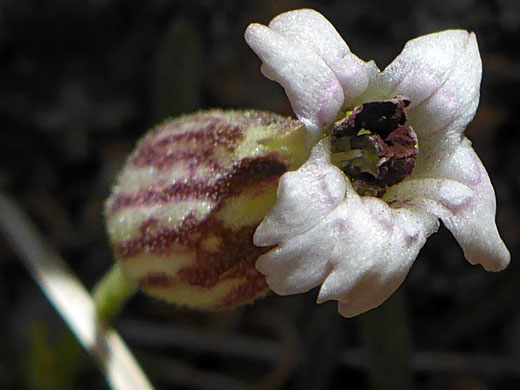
(111, 292)
(387, 339)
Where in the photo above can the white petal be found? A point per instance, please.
(303, 199)
(314, 91)
(360, 249)
(457, 189)
(441, 74)
(308, 28)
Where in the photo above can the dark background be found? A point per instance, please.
(81, 81)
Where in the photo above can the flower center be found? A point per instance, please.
(374, 146)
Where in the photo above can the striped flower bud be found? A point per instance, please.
(183, 211)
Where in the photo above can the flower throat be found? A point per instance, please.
(374, 146)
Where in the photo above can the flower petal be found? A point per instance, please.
(457, 189)
(304, 197)
(310, 29)
(441, 74)
(359, 248)
(303, 52)
(312, 88)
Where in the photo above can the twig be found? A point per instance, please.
(71, 300)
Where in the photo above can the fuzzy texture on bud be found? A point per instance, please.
(182, 214)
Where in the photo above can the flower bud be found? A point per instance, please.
(183, 211)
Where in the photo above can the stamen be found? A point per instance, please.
(374, 146)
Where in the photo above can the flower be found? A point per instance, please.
(388, 160)
(182, 214)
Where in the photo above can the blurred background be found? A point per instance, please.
(81, 82)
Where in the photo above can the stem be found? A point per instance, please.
(388, 344)
(111, 292)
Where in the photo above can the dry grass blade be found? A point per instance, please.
(71, 300)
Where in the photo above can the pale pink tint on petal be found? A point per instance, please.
(374, 253)
(305, 196)
(308, 28)
(312, 88)
(441, 74)
(457, 189)
(301, 262)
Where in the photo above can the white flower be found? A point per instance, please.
(360, 248)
